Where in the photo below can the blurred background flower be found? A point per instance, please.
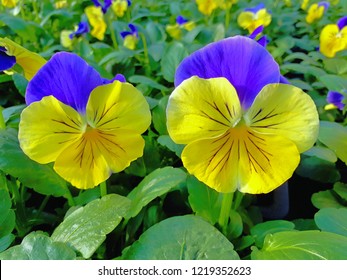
(251, 18)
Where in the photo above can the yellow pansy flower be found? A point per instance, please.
(29, 61)
(175, 30)
(304, 4)
(96, 19)
(9, 3)
(333, 38)
(130, 37)
(60, 4)
(243, 130)
(88, 126)
(119, 7)
(252, 18)
(206, 7)
(316, 11)
(226, 4)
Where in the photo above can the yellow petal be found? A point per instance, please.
(96, 19)
(9, 3)
(30, 62)
(200, 108)
(65, 40)
(174, 31)
(314, 13)
(130, 42)
(206, 7)
(118, 106)
(246, 21)
(47, 127)
(242, 159)
(119, 7)
(190, 25)
(285, 110)
(332, 40)
(263, 18)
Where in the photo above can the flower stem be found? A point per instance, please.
(103, 189)
(237, 200)
(227, 19)
(2, 121)
(225, 211)
(112, 33)
(145, 51)
(69, 197)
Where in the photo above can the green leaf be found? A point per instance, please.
(205, 202)
(37, 246)
(260, 231)
(318, 169)
(157, 183)
(334, 136)
(159, 116)
(85, 229)
(304, 69)
(6, 241)
(137, 79)
(332, 220)
(173, 55)
(42, 178)
(335, 65)
(182, 238)
(20, 82)
(302, 245)
(333, 82)
(7, 215)
(325, 199)
(341, 190)
(166, 141)
(322, 153)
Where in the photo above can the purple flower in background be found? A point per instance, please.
(82, 28)
(104, 7)
(336, 99)
(6, 61)
(130, 37)
(181, 20)
(262, 40)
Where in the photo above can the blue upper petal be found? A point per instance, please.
(342, 22)
(181, 20)
(6, 61)
(68, 78)
(255, 9)
(83, 27)
(246, 64)
(336, 98)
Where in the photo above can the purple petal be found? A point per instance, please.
(68, 78)
(133, 29)
(283, 80)
(256, 32)
(118, 77)
(96, 3)
(324, 4)
(342, 22)
(181, 20)
(247, 65)
(6, 61)
(255, 9)
(83, 28)
(336, 98)
(123, 34)
(129, 3)
(263, 41)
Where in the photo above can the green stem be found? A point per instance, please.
(145, 51)
(103, 189)
(225, 211)
(227, 19)
(2, 121)
(69, 197)
(42, 206)
(237, 200)
(113, 34)
(36, 12)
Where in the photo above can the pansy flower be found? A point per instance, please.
(304, 4)
(333, 38)
(119, 7)
(67, 36)
(336, 99)
(316, 11)
(257, 35)
(242, 128)
(251, 18)
(9, 3)
(226, 4)
(130, 37)
(175, 30)
(104, 5)
(12, 53)
(88, 126)
(206, 7)
(96, 19)
(60, 4)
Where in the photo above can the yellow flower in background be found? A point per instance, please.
(175, 30)
(288, 3)
(60, 4)
(9, 3)
(304, 4)
(254, 17)
(96, 19)
(130, 37)
(316, 11)
(226, 4)
(119, 7)
(333, 38)
(13, 53)
(206, 7)
(65, 40)
(88, 126)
